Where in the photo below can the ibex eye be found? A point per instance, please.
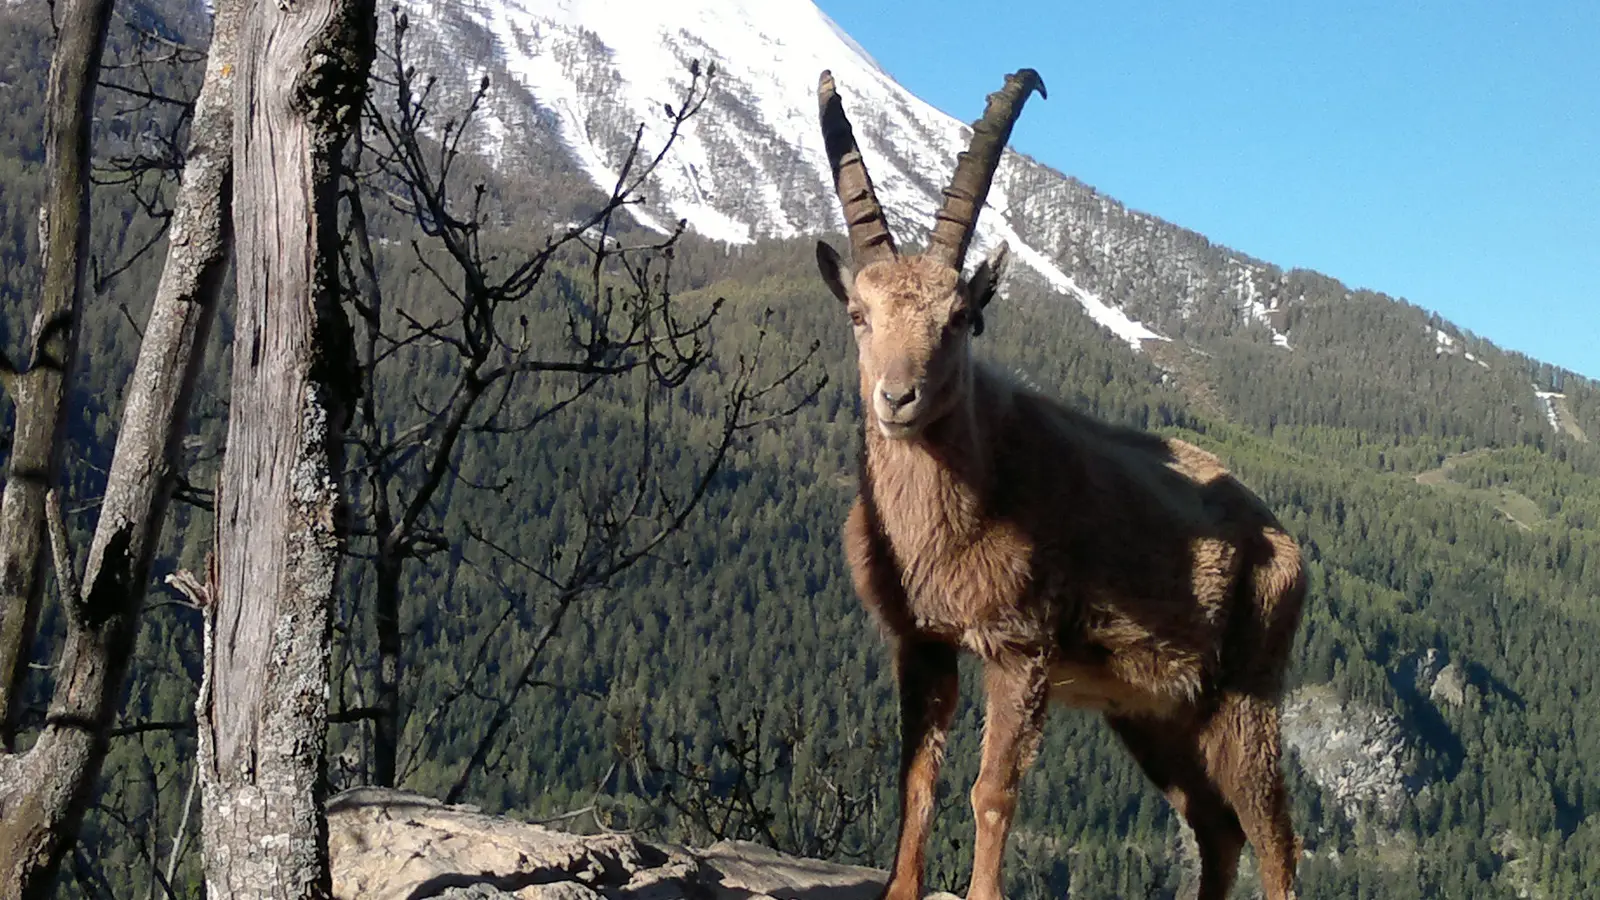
(858, 318)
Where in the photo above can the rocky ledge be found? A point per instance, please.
(392, 845)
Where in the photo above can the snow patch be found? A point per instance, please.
(1547, 401)
(1449, 345)
(497, 136)
(1105, 314)
(707, 220)
(1252, 305)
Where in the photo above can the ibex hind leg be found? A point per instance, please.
(1174, 763)
(1242, 757)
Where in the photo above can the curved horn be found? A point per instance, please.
(975, 167)
(870, 239)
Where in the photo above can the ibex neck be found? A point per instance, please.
(934, 483)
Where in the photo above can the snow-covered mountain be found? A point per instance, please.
(752, 163)
(574, 79)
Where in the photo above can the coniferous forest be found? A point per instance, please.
(725, 683)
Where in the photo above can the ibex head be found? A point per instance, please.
(914, 315)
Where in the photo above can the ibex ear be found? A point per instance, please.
(985, 281)
(834, 271)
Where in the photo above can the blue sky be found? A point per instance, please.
(1446, 153)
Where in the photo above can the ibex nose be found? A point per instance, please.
(898, 397)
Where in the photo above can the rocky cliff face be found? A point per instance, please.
(1360, 755)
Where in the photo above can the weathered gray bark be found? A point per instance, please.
(302, 75)
(40, 391)
(43, 794)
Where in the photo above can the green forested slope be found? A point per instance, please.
(761, 618)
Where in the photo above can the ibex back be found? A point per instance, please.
(1092, 565)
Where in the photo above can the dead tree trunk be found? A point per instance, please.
(302, 75)
(44, 793)
(40, 388)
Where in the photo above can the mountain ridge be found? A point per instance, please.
(579, 76)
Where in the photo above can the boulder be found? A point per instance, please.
(394, 845)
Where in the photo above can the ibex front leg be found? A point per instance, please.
(929, 688)
(1017, 694)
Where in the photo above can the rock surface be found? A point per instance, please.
(1450, 686)
(1359, 754)
(1441, 680)
(393, 845)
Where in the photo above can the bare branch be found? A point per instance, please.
(199, 594)
(61, 552)
(622, 327)
(139, 728)
(181, 837)
(359, 714)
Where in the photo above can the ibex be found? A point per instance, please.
(1096, 566)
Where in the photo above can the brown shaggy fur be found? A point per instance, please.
(1092, 565)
